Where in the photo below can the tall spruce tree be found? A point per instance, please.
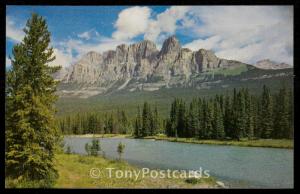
(125, 122)
(172, 124)
(200, 118)
(266, 117)
(155, 124)
(31, 133)
(203, 120)
(181, 119)
(209, 119)
(218, 125)
(228, 118)
(249, 115)
(235, 116)
(146, 118)
(242, 118)
(138, 124)
(192, 120)
(257, 117)
(281, 115)
(291, 113)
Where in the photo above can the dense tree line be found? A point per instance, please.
(95, 123)
(148, 122)
(235, 116)
(241, 115)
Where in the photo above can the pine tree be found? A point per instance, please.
(203, 121)
(31, 134)
(281, 115)
(209, 120)
(218, 125)
(124, 122)
(199, 117)
(239, 115)
(235, 116)
(181, 119)
(249, 115)
(111, 124)
(138, 124)
(146, 118)
(120, 149)
(192, 120)
(172, 122)
(228, 118)
(106, 124)
(266, 117)
(291, 113)
(257, 116)
(94, 148)
(79, 129)
(155, 124)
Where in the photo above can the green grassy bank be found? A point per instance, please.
(271, 143)
(74, 172)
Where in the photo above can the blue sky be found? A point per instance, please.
(245, 33)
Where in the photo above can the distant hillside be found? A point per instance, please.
(209, 84)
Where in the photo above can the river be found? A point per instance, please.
(237, 167)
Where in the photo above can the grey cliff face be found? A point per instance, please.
(142, 65)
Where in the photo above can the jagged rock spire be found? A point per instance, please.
(170, 45)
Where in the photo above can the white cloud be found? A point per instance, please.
(246, 33)
(165, 23)
(61, 58)
(12, 32)
(131, 22)
(66, 49)
(167, 20)
(136, 20)
(208, 43)
(87, 35)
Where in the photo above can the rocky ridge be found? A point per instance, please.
(268, 64)
(139, 66)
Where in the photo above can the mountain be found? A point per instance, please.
(268, 64)
(142, 67)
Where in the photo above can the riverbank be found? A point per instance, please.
(74, 172)
(102, 135)
(270, 143)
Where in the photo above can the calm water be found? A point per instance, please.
(235, 166)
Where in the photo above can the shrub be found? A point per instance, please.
(120, 149)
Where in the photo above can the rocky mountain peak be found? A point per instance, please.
(208, 54)
(146, 48)
(91, 54)
(122, 47)
(186, 50)
(141, 66)
(147, 43)
(91, 58)
(170, 45)
(269, 64)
